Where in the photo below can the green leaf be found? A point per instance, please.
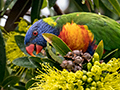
(2, 57)
(109, 54)
(108, 5)
(24, 62)
(7, 72)
(44, 4)
(57, 43)
(20, 42)
(1, 4)
(100, 49)
(19, 9)
(35, 12)
(76, 2)
(51, 3)
(37, 60)
(91, 4)
(52, 63)
(96, 3)
(10, 80)
(29, 83)
(116, 5)
(7, 3)
(55, 57)
(18, 88)
(12, 4)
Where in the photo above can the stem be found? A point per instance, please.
(57, 9)
(22, 71)
(18, 71)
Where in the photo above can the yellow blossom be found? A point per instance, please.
(23, 25)
(111, 82)
(12, 49)
(35, 21)
(55, 79)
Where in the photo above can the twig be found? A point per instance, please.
(8, 11)
(57, 9)
(88, 5)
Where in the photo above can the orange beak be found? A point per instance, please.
(33, 47)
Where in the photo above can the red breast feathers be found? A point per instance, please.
(77, 37)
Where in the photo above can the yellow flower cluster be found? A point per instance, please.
(23, 25)
(11, 47)
(55, 79)
(103, 76)
(12, 50)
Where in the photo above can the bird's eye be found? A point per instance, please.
(35, 33)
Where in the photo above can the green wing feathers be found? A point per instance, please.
(102, 27)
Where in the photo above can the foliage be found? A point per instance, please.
(2, 57)
(18, 68)
(100, 77)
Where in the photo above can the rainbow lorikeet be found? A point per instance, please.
(80, 30)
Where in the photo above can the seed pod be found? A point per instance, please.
(79, 60)
(68, 56)
(74, 60)
(70, 64)
(101, 61)
(87, 56)
(76, 68)
(64, 64)
(69, 53)
(77, 52)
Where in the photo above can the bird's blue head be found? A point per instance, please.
(34, 39)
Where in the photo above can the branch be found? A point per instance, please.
(57, 9)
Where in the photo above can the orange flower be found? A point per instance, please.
(76, 36)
